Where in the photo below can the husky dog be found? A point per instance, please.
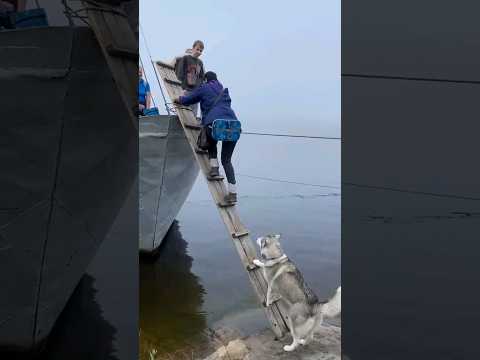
(304, 310)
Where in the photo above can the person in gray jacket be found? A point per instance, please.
(190, 71)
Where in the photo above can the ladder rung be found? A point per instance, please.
(276, 297)
(163, 64)
(200, 151)
(241, 233)
(122, 52)
(215, 178)
(173, 82)
(224, 204)
(193, 126)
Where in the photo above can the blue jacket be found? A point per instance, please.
(206, 95)
(143, 89)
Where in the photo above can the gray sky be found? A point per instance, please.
(279, 59)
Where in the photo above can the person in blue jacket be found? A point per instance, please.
(144, 94)
(215, 104)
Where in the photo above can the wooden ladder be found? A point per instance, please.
(238, 232)
(120, 47)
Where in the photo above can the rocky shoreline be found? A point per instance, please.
(263, 346)
(222, 342)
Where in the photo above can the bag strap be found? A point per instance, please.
(215, 102)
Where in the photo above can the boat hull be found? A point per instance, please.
(168, 171)
(69, 156)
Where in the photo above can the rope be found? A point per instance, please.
(154, 69)
(70, 14)
(293, 136)
(288, 181)
(173, 108)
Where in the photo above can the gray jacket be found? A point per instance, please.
(189, 71)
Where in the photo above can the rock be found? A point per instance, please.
(220, 354)
(237, 350)
(225, 334)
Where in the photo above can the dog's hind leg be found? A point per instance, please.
(305, 330)
(295, 341)
(317, 321)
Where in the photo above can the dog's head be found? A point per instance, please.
(270, 246)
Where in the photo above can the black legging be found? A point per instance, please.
(227, 151)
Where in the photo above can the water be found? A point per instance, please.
(197, 282)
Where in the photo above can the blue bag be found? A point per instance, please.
(150, 112)
(226, 130)
(29, 18)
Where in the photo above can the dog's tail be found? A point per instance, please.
(334, 306)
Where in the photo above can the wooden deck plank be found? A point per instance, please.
(236, 229)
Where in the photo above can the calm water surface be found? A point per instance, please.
(197, 281)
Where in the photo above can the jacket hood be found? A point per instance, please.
(215, 85)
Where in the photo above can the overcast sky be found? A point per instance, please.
(279, 59)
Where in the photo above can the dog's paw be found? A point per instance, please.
(302, 341)
(289, 347)
(257, 262)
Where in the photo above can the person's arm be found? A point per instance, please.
(149, 100)
(192, 98)
(174, 62)
(148, 97)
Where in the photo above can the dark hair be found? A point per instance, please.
(198, 42)
(210, 76)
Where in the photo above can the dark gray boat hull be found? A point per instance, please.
(168, 170)
(69, 157)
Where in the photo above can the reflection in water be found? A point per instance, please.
(81, 332)
(171, 299)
